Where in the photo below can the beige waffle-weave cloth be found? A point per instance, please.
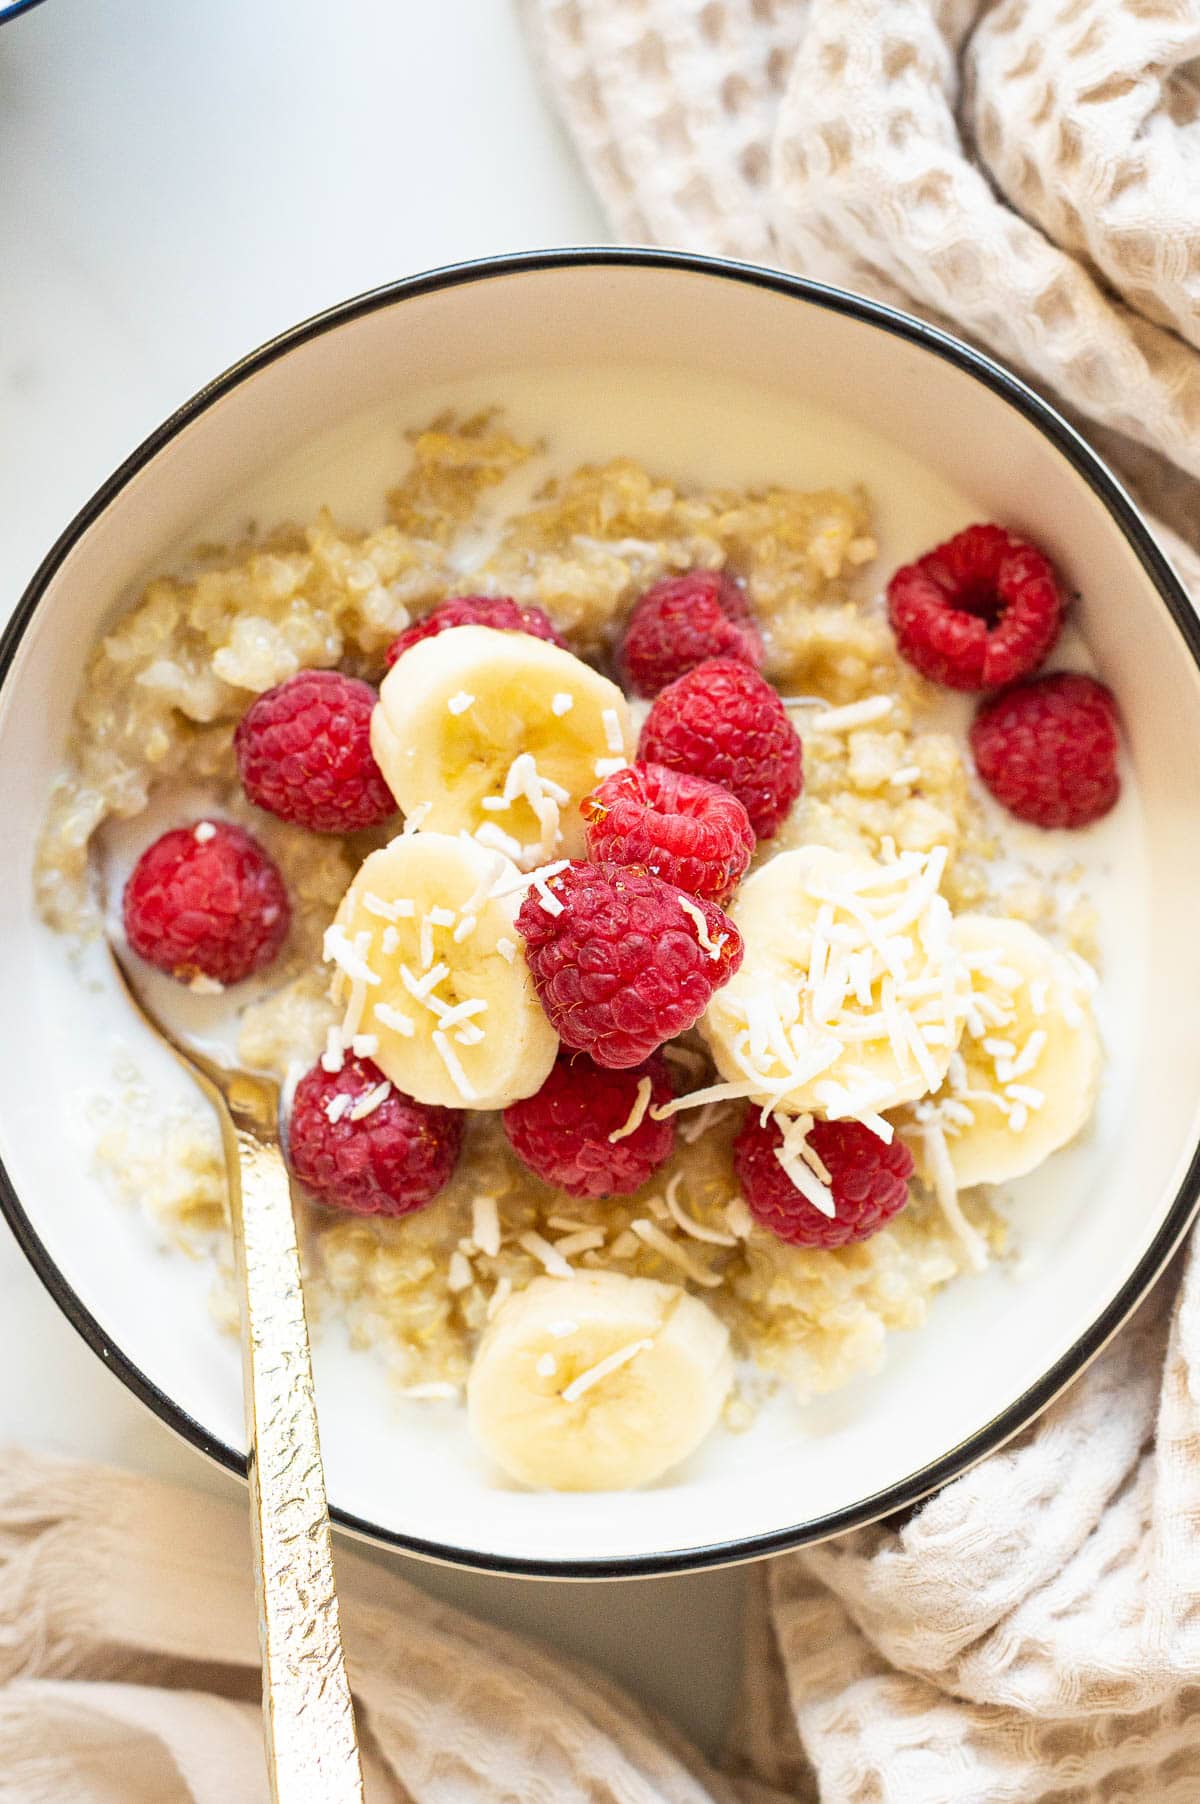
(129, 1670)
(1027, 174)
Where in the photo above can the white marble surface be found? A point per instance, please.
(177, 183)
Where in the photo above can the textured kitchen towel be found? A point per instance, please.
(129, 1670)
(1026, 173)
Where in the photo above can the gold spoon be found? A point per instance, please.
(312, 1749)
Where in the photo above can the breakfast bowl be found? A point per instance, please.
(742, 406)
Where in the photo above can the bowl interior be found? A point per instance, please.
(747, 381)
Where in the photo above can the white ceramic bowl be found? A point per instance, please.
(997, 1347)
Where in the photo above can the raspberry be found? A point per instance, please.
(725, 722)
(869, 1181)
(681, 828)
(498, 611)
(981, 610)
(391, 1161)
(681, 621)
(1047, 750)
(563, 1133)
(621, 968)
(304, 754)
(206, 901)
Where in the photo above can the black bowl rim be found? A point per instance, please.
(918, 1485)
(14, 8)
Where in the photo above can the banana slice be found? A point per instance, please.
(1028, 1065)
(500, 735)
(433, 972)
(851, 996)
(598, 1382)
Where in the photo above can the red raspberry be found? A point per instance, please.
(389, 1162)
(1047, 750)
(981, 610)
(304, 754)
(621, 968)
(682, 828)
(498, 611)
(563, 1133)
(869, 1181)
(681, 621)
(725, 722)
(206, 901)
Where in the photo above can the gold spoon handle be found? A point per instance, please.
(312, 1751)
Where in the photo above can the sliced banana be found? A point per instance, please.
(598, 1382)
(433, 974)
(500, 735)
(852, 994)
(1028, 1065)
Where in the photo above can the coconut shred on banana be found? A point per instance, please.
(606, 1103)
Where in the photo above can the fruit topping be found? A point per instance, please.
(207, 905)
(498, 611)
(590, 1131)
(977, 612)
(820, 1183)
(623, 961)
(681, 621)
(1047, 750)
(682, 828)
(304, 754)
(357, 1143)
(724, 721)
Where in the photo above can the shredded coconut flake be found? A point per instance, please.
(945, 1189)
(395, 1019)
(675, 1254)
(637, 1113)
(602, 1369)
(203, 832)
(737, 1214)
(365, 1046)
(465, 929)
(459, 1275)
(485, 1225)
(453, 1064)
(420, 988)
(334, 1055)
(499, 1297)
(507, 949)
(546, 897)
(349, 957)
(697, 1230)
(202, 985)
(547, 1366)
(613, 737)
(857, 714)
(562, 703)
(458, 704)
(416, 820)
(337, 1106)
(496, 840)
(696, 914)
(584, 1240)
(403, 908)
(546, 1255)
(374, 1098)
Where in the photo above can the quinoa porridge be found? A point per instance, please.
(892, 835)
